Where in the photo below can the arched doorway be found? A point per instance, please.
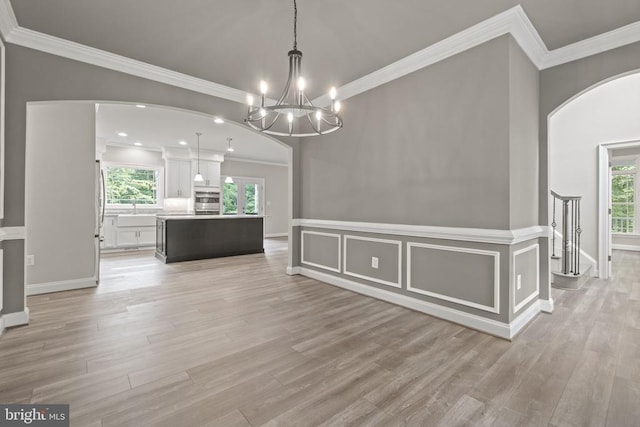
(582, 131)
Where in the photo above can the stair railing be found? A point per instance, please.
(571, 232)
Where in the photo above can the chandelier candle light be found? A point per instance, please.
(293, 114)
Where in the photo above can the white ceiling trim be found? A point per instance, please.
(76, 51)
(601, 43)
(249, 160)
(513, 21)
(8, 21)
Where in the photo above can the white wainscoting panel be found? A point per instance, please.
(397, 243)
(318, 233)
(495, 308)
(518, 306)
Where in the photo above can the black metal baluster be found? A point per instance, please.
(553, 226)
(578, 232)
(565, 233)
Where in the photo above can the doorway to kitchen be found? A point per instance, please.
(243, 196)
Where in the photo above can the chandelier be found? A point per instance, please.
(293, 114)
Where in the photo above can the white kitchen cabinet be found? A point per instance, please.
(146, 237)
(210, 171)
(127, 237)
(136, 237)
(178, 178)
(108, 232)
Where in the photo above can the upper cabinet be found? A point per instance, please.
(178, 178)
(181, 167)
(210, 171)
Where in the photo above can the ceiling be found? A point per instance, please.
(237, 43)
(156, 127)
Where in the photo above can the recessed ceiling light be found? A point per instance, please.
(218, 120)
(141, 106)
(137, 144)
(122, 134)
(182, 142)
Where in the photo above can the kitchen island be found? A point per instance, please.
(191, 237)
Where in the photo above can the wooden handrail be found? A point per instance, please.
(557, 196)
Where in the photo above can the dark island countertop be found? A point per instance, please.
(192, 216)
(192, 237)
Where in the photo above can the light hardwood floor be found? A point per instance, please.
(236, 342)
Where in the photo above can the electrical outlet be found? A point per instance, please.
(374, 262)
(31, 260)
(519, 281)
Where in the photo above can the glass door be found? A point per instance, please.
(244, 196)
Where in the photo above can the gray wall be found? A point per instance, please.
(431, 148)
(524, 100)
(454, 145)
(37, 76)
(60, 191)
(276, 190)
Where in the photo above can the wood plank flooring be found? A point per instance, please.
(236, 342)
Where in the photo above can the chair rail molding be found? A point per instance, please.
(12, 233)
(479, 235)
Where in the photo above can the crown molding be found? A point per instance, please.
(8, 21)
(513, 21)
(76, 51)
(496, 26)
(259, 162)
(601, 43)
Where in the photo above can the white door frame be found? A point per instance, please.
(244, 180)
(604, 188)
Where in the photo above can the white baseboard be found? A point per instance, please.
(292, 271)
(626, 247)
(499, 329)
(523, 319)
(276, 235)
(10, 320)
(546, 305)
(63, 285)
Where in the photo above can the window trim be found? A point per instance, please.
(636, 189)
(159, 185)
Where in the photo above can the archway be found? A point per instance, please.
(64, 154)
(596, 119)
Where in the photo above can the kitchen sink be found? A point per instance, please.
(136, 220)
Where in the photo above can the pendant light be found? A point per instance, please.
(198, 177)
(229, 147)
(228, 180)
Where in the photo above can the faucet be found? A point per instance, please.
(135, 211)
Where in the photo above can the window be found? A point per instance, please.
(624, 207)
(127, 184)
(244, 196)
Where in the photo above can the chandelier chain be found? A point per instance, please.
(295, 25)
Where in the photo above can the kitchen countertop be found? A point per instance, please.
(207, 216)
